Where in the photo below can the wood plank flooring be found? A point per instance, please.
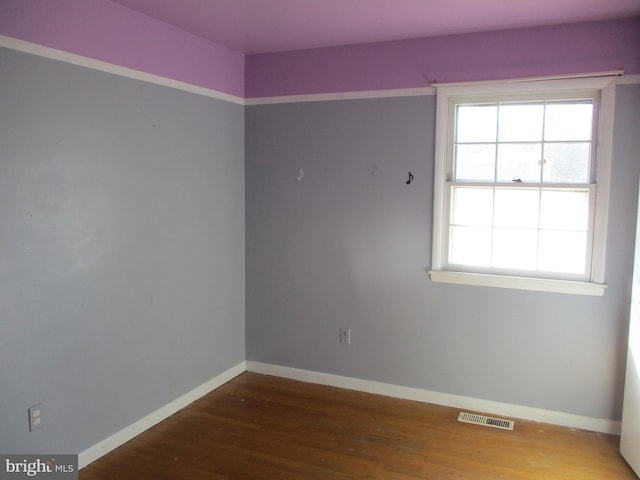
(259, 427)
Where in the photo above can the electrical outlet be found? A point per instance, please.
(345, 336)
(35, 417)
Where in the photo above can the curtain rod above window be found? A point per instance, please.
(610, 73)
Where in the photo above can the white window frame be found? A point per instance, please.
(442, 272)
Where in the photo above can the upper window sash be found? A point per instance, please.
(456, 101)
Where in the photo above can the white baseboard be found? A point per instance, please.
(445, 399)
(91, 454)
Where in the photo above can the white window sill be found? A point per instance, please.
(519, 283)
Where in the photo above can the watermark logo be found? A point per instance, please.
(48, 467)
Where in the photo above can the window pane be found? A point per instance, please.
(520, 123)
(476, 123)
(516, 207)
(564, 210)
(475, 162)
(470, 246)
(520, 161)
(566, 162)
(568, 121)
(471, 206)
(514, 248)
(562, 251)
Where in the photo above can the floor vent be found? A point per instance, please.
(486, 421)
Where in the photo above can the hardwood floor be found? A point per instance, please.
(260, 427)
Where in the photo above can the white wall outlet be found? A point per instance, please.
(35, 417)
(345, 336)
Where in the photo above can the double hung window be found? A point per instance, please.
(521, 184)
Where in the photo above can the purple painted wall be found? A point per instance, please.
(564, 49)
(109, 32)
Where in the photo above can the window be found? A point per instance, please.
(522, 184)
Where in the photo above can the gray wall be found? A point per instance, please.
(349, 246)
(122, 257)
(121, 249)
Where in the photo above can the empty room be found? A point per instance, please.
(319, 239)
